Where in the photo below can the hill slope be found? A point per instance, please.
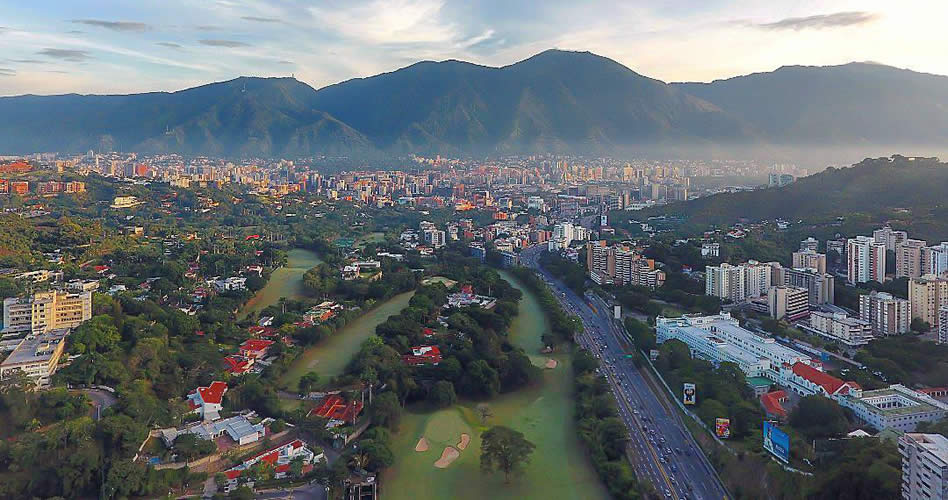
(242, 116)
(874, 187)
(852, 104)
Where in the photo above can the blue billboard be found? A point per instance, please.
(776, 441)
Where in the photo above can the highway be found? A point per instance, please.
(660, 448)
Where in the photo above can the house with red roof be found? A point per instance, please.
(806, 380)
(423, 355)
(237, 365)
(337, 411)
(773, 404)
(206, 401)
(255, 348)
(279, 458)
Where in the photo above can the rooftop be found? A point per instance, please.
(36, 348)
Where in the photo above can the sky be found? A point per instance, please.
(99, 46)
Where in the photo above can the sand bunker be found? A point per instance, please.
(450, 454)
(550, 363)
(465, 440)
(422, 444)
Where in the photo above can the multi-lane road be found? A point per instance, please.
(661, 450)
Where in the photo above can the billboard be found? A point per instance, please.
(689, 394)
(653, 354)
(722, 427)
(776, 441)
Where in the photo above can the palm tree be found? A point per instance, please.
(359, 460)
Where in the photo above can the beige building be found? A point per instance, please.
(908, 258)
(36, 356)
(46, 310)
(808, 259)
(927, 295)
(788, 302)
(853, 332)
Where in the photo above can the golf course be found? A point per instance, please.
(286, 281)
(543, 412)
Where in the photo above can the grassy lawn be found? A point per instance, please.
(558, 468)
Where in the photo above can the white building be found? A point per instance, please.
(720, 339)
(865, 258)
(896, 407)
(935, 259)
(852, 332)
(435, 237)
(710, 250)
(924, 466)
(891, 239)
(738, 283)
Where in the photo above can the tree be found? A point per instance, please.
(442, 394)
(386, 410)
(819, 417)
(98, 334)
(484, 412)
(506, 450)
(919, 325)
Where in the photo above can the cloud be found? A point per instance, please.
(821, 21)
(170, 45)
(208, 27)
(285, 62)
(127, 26)
(396, 22)
(223, 43)
(261, 19)
(7, 72)
(72, 55)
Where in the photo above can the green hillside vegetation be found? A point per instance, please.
(909, 193)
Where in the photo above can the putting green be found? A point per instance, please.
(543, 412)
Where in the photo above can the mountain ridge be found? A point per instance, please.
(554, 101)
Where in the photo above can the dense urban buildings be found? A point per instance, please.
(865, 258)
(888, 315)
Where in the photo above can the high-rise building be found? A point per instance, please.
(46, 311)
(889, 238)
(788, 302)
(865, 259)
(435, 237)
(887, 314)
(821, 286)
(924, 466)
(943, 325)
(600, 260)
(935, 259)
(757, 279)
(725, 281)
(927, 295)
(908, 258)
(809, 259)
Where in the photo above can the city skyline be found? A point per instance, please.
(116, 48)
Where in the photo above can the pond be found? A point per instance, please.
(286, 281)
(330, 357)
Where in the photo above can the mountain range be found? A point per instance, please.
(555, 101)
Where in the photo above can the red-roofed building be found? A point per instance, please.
(427, 332)
(206, 401)
(773, 404)
(423, 355)
(255, 348)
(236, 365)
(807, 380)
(279, 458)
(337, 410)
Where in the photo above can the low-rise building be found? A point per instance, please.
(206, 401)
(238, 428)
(896, 407)
(852, 332)
(720, 338)
(36, 356)
(279, 458)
